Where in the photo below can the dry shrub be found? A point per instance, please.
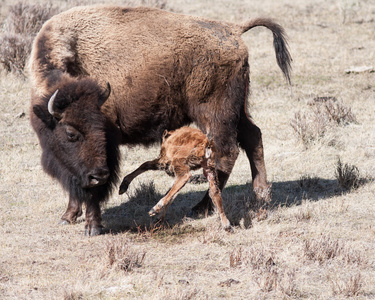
(14, 51)
(72, 296)
(235, 258)
(146, 192)
(27, 19)
(308, 181)
(347, 175)
(339, 113)
(20, 27)
(349, 288)
(325, 248)
(322, 249)
(212, 234)
(267, 273)
(121, 254)
(312, 125)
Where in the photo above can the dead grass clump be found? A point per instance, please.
(339, 113)
(72, 296)
(121, 255)
(347, 175)
(212, 234)
(308, 181)
(347, 288)
(322, 249)
(14, 50)
(27, 19)
(310, 126)
(324, 113)
(146, 191)
(235, 258)
(19, 29)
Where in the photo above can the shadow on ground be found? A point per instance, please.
(239, 203)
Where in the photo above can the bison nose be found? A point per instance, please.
(98, 177)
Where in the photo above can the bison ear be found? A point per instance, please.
(45, 116)
(105, 95)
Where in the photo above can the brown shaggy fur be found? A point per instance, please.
(183, 150)
(166, 70)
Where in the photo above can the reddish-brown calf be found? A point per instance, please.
(183, 150)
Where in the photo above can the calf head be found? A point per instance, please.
(73, 132)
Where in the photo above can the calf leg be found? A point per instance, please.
(205, 205)
(161, 207)
(224, 166)
(148, 165)
(215, 195)
(73, 211)
(250, 139)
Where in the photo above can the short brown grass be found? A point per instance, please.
(316, 239)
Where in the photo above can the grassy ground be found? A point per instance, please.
(317, 241)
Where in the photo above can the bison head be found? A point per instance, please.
(74, 132)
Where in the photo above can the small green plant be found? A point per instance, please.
(347, 175)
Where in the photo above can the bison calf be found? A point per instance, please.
(183, 150)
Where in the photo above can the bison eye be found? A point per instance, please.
(72, 135)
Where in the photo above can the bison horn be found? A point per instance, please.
(104, 96)
(50, 106)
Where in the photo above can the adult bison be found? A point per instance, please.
(104, 76)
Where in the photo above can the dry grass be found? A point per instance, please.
(316, 240)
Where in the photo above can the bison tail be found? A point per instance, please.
(280, 43)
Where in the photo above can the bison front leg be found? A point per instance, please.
(93, 224)
(160, 208)
(148, 165)
(73, 211)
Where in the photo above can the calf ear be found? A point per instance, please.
(166, 134)
(105, 95)
(45, 116)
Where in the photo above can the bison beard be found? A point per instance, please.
(166, 70)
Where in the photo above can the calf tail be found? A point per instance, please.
(280, 43)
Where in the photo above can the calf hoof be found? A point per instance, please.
(123, 187)
(152, 212)
(94, 231)
(229, 228)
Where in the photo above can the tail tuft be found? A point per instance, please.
(280, 43)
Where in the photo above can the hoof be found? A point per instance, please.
(64, 222)
(152, 212)
(229, 229)
(94, 231)
(123, 187)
